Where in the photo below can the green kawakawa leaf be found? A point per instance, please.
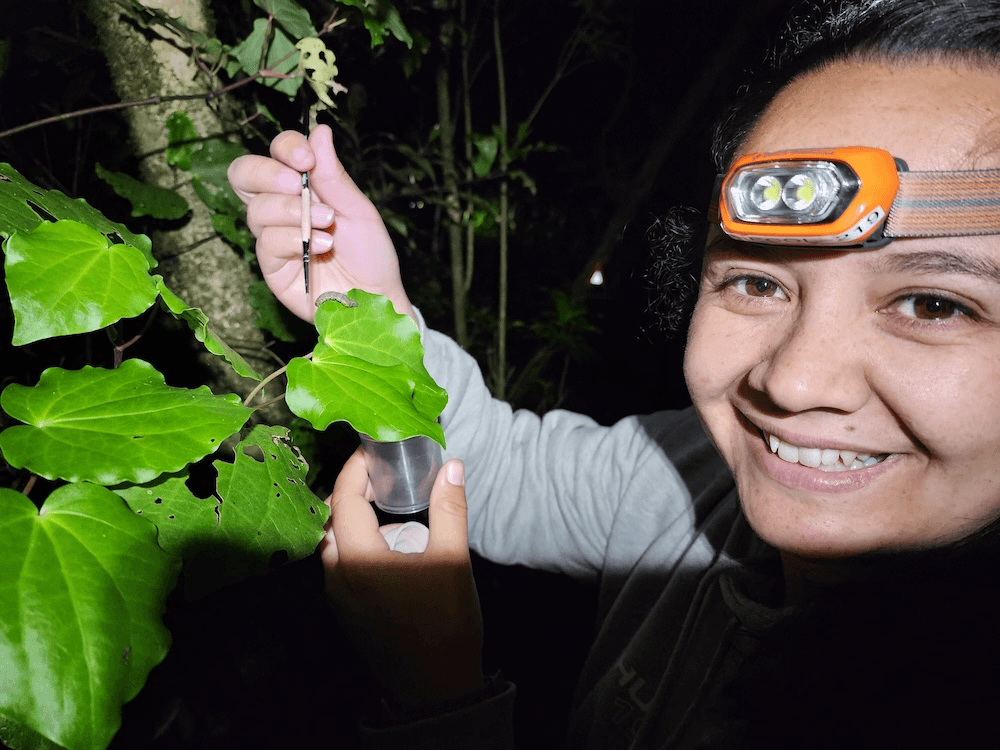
(182, 140)
(146, 199)
(83, 585)
(282, 57)
(367, 370)
(289, 14)
(381, 18)
(66, 277)
(20, 203)
(198, 322)
(113, 426)
(263, 507)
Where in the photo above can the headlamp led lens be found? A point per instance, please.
(791, 192)
(799, 192)
(766, 193)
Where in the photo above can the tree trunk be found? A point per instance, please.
(194, 261)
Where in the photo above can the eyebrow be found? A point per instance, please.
(937, 261)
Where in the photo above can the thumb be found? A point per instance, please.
(330, 180)
(448, 513)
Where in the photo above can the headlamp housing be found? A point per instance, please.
(830, 197)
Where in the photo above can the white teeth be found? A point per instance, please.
(810, 457)
(825, 459)
(788, 453)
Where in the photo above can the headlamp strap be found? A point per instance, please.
(945, 204)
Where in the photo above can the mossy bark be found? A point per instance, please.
(194, 261)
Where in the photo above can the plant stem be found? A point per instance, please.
(214, 94)
(450, 178)
(31, 483)
(501, 374)
(262, 384)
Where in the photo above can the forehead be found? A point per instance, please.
(933, 115)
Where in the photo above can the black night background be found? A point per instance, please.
(626, 133)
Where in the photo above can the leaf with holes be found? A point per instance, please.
(367, 370)
(113, 426)
(67, 278)
(83, 586)
(24, 206)
(264, 511)
(185, 523)
(198, 322)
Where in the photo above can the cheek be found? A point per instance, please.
(715, 355)
(952, 406)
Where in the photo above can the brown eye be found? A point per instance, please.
(933, 307)
(757, 287)
(930, 307)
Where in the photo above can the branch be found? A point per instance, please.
(210, 96)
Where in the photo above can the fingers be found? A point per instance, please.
(352, 520)
(291, 147)
(250, 175)
(330, 181)
(274, 209)
(448, 513)
(278, 246)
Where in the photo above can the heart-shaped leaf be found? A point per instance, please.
(67, 278)
(18, 212)
(367, 370)
(263, 507)
(83, 585)
(198, 322)
(113, 426)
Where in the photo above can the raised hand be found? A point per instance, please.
(349, 247)
(414, 617)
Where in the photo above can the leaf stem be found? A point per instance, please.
(260, 386)
(31, 483)
(257, 389)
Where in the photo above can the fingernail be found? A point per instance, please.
(455, 473)
(321, 242)
(322, 216)
(300, 155)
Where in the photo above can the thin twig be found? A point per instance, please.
(31, 483)
(208, 97)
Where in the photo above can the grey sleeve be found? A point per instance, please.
(543, 491)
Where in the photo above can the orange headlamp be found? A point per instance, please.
(849, 197)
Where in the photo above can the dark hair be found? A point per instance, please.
(817, 33)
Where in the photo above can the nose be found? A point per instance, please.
(816, 363)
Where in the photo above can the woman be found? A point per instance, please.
(815, 567)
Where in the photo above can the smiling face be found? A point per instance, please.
(855, 394)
